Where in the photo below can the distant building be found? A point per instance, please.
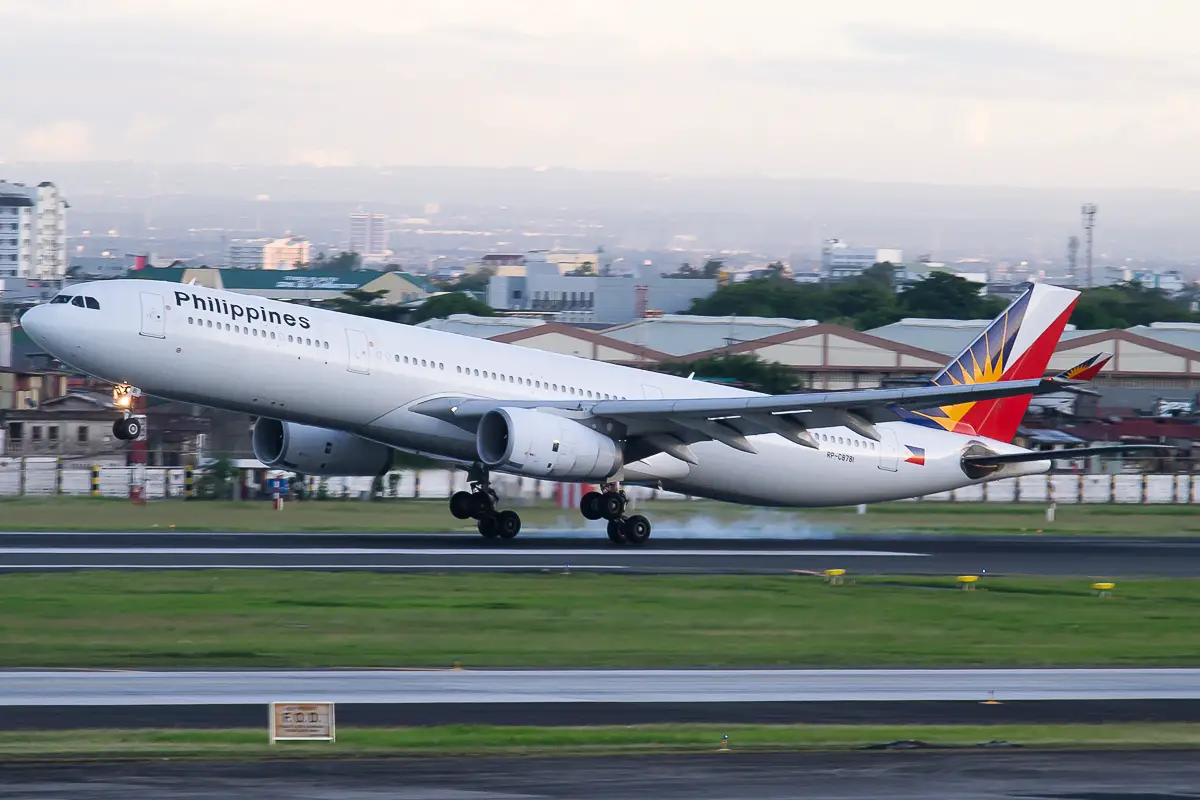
(303, 286)
(286, 253)
(33, 231)
(368, 235)
(840, 261)
(609, 300)
(247, 253)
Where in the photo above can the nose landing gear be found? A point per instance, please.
(610, 504)
(129, 427)
(480, 504)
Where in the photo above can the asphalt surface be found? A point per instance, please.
(406, 715)
(924, 554)
(122, 688)
(980, 775)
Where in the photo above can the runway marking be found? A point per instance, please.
(368, 551)
(473, 567)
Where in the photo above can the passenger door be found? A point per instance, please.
(889, 450)
(153, 322)
(360, 356)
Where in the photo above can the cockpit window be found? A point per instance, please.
(77, 301)
(92, 303)
(61, 298)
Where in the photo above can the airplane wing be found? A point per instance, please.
(669, 425)
(995, 460)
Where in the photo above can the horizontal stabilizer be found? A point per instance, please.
(996, 459)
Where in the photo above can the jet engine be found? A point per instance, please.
(536, 444)
(317, 451)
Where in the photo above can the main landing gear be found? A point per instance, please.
(610, 504)
(480, 503)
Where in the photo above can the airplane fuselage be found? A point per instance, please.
(363, 376)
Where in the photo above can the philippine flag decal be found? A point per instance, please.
(916, 455)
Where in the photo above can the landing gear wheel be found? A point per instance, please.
(637, 529)
(461, 505)
(127, 429)
(489, 526)
(589, 505)
(611, 505)
(481, 505)
(508, 524)
(616, 531)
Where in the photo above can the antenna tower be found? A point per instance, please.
(1089, 222)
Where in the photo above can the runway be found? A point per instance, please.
(122, 687)
(71, 699)
(878, 554)
(980, 775)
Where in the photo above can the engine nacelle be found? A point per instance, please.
(317, 451)
(536, 444)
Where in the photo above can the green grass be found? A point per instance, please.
(90, 514)
(318, 619)
(245, 744)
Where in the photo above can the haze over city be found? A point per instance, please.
(1061, 94)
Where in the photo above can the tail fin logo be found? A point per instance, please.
(1017, 345)
(984, 361)
(1088, 369)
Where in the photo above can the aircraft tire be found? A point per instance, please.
(589, 505)
(616, 531)
(489, 526)
(508, 523)
(461, 505)
(637, 530)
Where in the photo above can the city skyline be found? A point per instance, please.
(1032, 94)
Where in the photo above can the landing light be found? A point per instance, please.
(124, 400)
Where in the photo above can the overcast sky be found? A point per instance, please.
(1031, 92)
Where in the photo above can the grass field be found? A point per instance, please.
(245, 744)
(316, 619)
(88, 514)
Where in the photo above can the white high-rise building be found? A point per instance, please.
(33, 231)
(368, 235)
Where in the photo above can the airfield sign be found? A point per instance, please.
(302, 722)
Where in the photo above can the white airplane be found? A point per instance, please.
(334, 394)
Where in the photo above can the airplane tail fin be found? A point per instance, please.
(1017, 345)
(1087, 370)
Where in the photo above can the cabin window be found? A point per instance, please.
(226, 326)
(256, 332)
(92, 303)
(191, 321)
(272, 334)
(289, 337)
(326, 345)
(460, 370)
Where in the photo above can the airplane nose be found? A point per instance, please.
(36, 322)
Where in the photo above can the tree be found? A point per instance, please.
(712, 268)
(364, 303)
(776, 271)
(443, 305)
(746, 370)
(1127, 304)
(883, 273)
(344, 262)
(685, 270)
(585, 269)
(941, 295)
(472, 282)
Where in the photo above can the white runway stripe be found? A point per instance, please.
(358, 567)
(494, 552)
